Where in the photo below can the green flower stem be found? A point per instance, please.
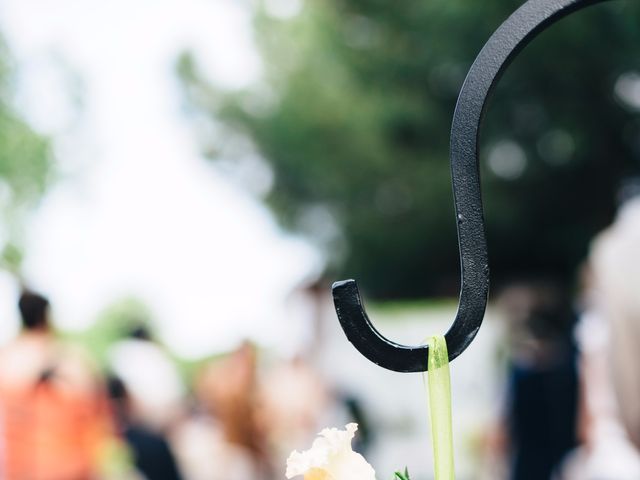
(440, 408)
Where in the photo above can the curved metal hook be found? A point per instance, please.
(512, 36)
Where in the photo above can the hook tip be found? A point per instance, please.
(346, 295)
(340, 284)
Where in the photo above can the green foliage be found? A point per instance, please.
(354, 113)
(114, 323)
(402, 475)
(25, 170)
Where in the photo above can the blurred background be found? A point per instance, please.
(181, 181)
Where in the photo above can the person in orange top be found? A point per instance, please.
(53, 411)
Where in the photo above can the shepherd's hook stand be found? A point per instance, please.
(512, 36)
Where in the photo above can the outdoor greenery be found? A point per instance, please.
(115, 323)
(402, 475)
(353, 117)
(25, 168)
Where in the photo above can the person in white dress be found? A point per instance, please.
(609, 339)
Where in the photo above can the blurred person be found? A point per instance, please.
(226, 443)
(293, 400)
(227, 389)
(609, 336)
(356, 413)
(542, 391)
(152, 454)
(54, 423)
(155, 390)
(205, 454)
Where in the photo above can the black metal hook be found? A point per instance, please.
(512, 36)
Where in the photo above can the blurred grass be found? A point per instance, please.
(411, 307)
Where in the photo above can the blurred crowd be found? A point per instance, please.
(63, 418)
(569, 409)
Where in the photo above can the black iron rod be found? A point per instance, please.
(512, 36)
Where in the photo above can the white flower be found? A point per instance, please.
(331, 458)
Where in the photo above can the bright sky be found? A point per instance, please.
(138, 212)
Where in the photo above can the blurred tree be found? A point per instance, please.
(353, 116)
(117, 320)
(25, 169)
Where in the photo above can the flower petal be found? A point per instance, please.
(331, 458)
(317, 474)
